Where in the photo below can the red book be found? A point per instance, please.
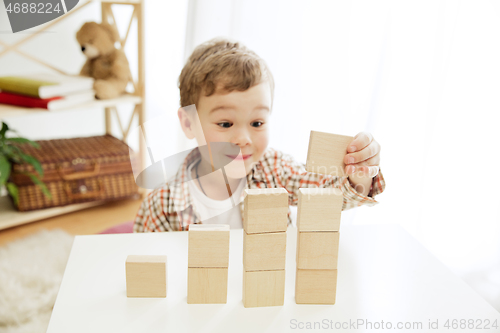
(50, 104)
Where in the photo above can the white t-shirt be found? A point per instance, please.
(217, 211)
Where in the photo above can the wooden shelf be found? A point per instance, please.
(10, 217)
(15, 111)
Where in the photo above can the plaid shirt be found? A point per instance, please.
(170, 207)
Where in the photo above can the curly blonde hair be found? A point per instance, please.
(221, 64)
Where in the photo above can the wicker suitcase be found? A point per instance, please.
(76, 170)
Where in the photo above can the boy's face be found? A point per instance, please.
(238, 117)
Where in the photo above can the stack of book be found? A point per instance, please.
(46, 91)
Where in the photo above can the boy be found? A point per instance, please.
(232, 89)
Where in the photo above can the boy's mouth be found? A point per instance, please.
(239, 157)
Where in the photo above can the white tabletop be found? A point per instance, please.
(383, 275)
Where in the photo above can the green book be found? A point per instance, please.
(22, 85)
(45, 85)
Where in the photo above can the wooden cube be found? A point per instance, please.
(146, 275)
(208, 245)
(317, 250)
(263, 288)
(315, 286)
(207, 285)
(264, 251)
(326, 153)
(265, 210)
(319, 209)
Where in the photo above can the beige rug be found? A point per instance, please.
(31, 270)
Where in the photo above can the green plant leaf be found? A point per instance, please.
(14, 131)
(14, 158)
(12, 151)
(4, 129)
(41, 184)
(22, 141)
(34, 162)
(14, 192)
(4, 169)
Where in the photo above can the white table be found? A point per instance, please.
(384, 275)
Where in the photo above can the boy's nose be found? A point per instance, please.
(241, 138)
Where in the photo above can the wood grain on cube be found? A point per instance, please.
(263, 288)
(146, 275)
(319, 209)
(317, 250)
(326, 153)
(265, 210)
(208, 245)
(315, 286)
(265, 251)
(207, 285)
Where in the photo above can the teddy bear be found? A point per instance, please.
(105, 63)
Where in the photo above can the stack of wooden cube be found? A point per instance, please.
(208, 261)
(318, 223)
(264, 247)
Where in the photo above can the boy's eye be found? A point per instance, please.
(257, 123)
(225, 124)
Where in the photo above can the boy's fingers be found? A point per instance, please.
(367, 171)
(364, 154)
(373, 171)
(374, 160)
(361, 140)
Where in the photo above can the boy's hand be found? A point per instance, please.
(362, 161)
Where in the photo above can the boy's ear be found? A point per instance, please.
(186, 123)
